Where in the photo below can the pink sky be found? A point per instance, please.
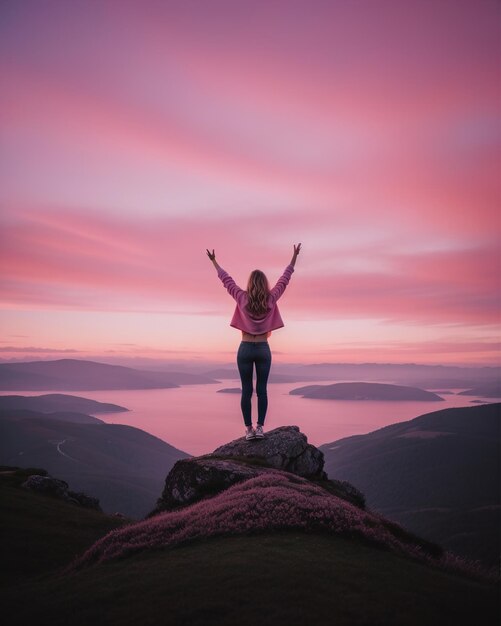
(137, 134)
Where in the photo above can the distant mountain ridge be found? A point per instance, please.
(423, 376)
(492, 390)
(52, 375)
(274, 377)
(82, 375)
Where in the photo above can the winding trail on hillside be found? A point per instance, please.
(58, 448)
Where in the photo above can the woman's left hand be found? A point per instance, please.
(212, 256)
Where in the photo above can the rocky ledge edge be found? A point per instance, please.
(284, 448)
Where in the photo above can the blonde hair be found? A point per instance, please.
(258, 290)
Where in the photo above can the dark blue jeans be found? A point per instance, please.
(250, 352)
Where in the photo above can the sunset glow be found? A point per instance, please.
(137, 134)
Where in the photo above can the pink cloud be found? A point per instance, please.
(370, 134)
(155, 262)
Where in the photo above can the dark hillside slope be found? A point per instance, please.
(437, 474)
(257, 534)
(271, 579)
(38, 533)
(63, 416)
(121, 465)
(246, 487)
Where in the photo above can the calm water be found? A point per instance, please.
(196, 419)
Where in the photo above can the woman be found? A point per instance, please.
(256, 315)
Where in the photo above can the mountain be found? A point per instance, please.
(365, 391)
(489, 390)
(274, 377)
(274, 483)
(50, 402)
(81, 375)
(223, 373)
(123, 466)
(63, 416)
(437, 474)
(414, 374)
(276, 544)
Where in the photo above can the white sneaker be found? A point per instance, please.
(259, 434)
(250, 433)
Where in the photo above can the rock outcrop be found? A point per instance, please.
(60, 489)
(244, 488)
(284, 448)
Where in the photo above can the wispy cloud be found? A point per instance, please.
(92, 262)
(368, 133)
(34, 349)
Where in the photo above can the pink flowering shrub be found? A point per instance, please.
(275, 500)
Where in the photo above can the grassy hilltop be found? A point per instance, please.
(278, 577)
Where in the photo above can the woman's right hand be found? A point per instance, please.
(296, 252)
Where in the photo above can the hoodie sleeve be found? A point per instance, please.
(282, 283)
(233, 289)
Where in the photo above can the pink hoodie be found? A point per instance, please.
(241, 318)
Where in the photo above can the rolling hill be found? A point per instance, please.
(268, 576)
(51, 402)
(121, 465)
(437, 475)
(39, 533)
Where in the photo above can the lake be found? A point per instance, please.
(197, 419)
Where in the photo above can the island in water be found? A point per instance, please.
(51, 402)
(365, 391)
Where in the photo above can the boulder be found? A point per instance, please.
(60, 489)
(47, 485)
(285, 448)
(192, 479)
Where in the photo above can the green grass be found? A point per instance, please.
(270, 579)
(39, 533)
(265, 579)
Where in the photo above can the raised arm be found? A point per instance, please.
(233, 289)
(283, 281)
(212, 257)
